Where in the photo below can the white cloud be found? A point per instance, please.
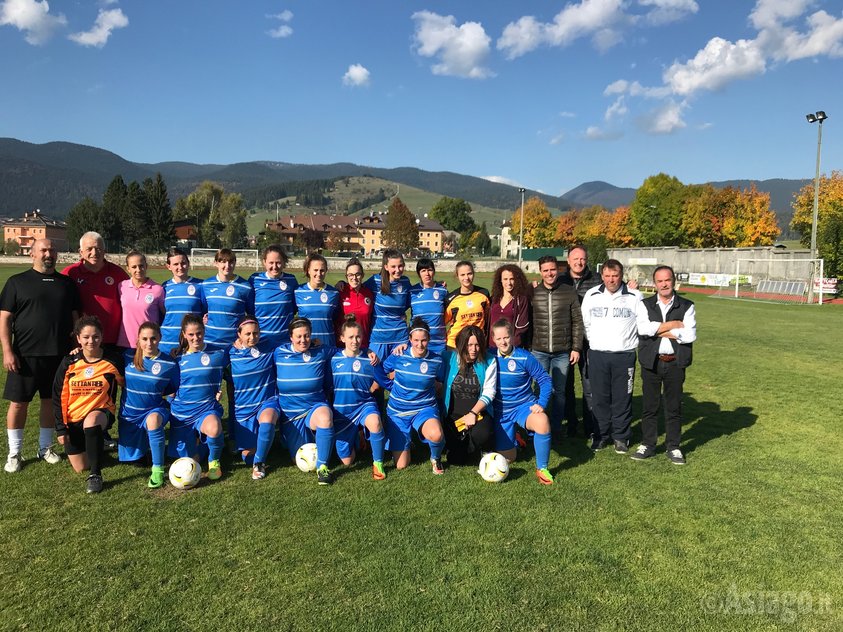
(460, 50)
(356, 76)
(595, 133)
(616, 110)
(772, 13)
(665, 119)
(634, 89)
(704, 126)
(282, 30)
(593, 18)
(31, 17)
(667, 11)
(557, 140)
(716, 65)
(503, 180)
(567, 114)
(106, 22)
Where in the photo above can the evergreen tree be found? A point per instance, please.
(400, 230)
(134, 211)
(159, 214)
(111, 212)
(482, 241)
(84, 216)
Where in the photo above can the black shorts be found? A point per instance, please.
(76, 434)
(36, 375)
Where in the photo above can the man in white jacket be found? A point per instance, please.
(610, 317)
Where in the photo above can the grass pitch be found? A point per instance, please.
(745, 537)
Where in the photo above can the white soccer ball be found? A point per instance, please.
(306, 457)
(494, 467)
(185, 473)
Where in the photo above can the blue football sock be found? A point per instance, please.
(215, 447)
(541, 442)
(376, 440)
(436, 449)
(324, 445)
(266, 434)
(156, 445)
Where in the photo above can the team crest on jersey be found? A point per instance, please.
(436, 295)
(367, 300)
(191, 290)
(356, 366)
(469, 303)
(109, 280)
(324, 298)
(305, 356)
(400, 289)
(229, 291)
(205, 359)
(511, 365)
(89, 372)
(282, 285)
(148, 299)
(423, 367)
(156, 368)
(255, 353)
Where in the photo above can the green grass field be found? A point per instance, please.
(745, 537)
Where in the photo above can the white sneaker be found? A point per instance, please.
(13, 463)
(49, 455)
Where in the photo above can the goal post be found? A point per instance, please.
(779, 280)
(204, 257)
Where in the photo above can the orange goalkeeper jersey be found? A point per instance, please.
(462, 310)
(81, 387)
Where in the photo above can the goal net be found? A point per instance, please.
(204, 258)
(777, 281)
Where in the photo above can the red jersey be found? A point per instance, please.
(100, 295)
(361, 303)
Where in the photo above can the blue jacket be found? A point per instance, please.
(487, 374)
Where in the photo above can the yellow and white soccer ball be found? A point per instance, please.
(306, 457)
(185, 473)
(494, 467)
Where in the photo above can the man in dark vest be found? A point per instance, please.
(667, 328)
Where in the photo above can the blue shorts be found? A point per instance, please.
(345, 429)
(296, 432)
(246, 430)
(384, 349)
(505, 424)
(186, 436)
(398, 426)
(132, 436)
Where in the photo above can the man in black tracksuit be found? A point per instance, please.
(667, 328)
(580, 276)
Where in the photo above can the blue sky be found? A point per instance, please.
(543, 94)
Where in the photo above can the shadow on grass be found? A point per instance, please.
(702, 421)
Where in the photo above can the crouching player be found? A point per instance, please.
(412, 400)
(355, 379)
(301, 373)
(255, 399)
(515, 403)
(150, 376)
(83, 400)
(195, 409)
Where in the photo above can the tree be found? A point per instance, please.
(727, 218)
(618, 233)
(134, 212)
(308, 240)
(400, 230)
(159, 213)
(336, 240)
(84, 216)
(539, 228)
(220, 216)
(454, 214)
(829, 220)
(482, 241)
(11, 248)
(656, 211)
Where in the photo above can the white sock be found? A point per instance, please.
(15, 440)
(45, 438)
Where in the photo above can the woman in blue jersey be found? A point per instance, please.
(150, 377)
(195, 410)
(317, 301)
(255, 400)
(182, 296)
(228, 297)
(427, 299)
(515, 403)
(412, 401)
(275, 299)
(392, 300)
(355, 378)
(302, 373)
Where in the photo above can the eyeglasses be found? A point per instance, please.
(353, 275)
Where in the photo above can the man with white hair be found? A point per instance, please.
(99, 281)
(37, 311)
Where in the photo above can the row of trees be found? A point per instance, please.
(455, 214)
(139, 216)
(665, 212)
(829, 220)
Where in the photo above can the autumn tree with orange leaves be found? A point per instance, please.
(829, 220)
(727, 218)
(539, 227)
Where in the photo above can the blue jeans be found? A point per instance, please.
(556, 364)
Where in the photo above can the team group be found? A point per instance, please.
(311, 361)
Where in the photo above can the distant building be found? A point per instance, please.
(509, 245)
(35, 225)
(184, 231)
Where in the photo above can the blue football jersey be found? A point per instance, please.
(302, 378)
(320, 308)
(414, 384)
(200, 377)
(353, 378)
(390, 322)
(429, 304)
(227, 302)
(253, 375)
(275, 305)
(145, 390)
(180, 299)
(516, 373)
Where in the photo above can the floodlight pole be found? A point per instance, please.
(521, 232)
(818, 117)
